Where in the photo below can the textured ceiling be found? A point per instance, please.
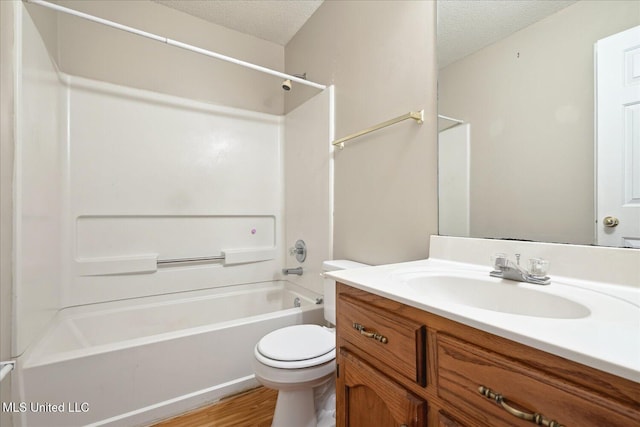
(464, 26)
(273, 20)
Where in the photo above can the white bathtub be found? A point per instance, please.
(132, 362)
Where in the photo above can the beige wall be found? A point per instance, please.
(529, 100)
(381, 57)
(98, 52)
(6, 192)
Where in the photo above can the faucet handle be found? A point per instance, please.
(294, 251)
(538, 267)
(299, 250)
(499, 261)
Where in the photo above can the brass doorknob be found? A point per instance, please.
(610, 221)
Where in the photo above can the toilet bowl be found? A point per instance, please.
(297, 360)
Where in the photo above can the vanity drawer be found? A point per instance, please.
(464, 368)
(397, 342)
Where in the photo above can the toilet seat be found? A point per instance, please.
(296, 347)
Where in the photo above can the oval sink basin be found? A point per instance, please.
(492, 294)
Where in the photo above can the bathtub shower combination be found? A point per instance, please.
(157, 355)
(150, 238)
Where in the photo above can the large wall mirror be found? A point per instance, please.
(516, 101)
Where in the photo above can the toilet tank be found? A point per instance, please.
(330, 285)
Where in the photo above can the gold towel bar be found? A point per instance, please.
(415, 115)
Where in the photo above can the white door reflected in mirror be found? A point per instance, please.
(618, 139)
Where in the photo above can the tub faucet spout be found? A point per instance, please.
(297, 270)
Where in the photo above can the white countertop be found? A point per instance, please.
(607, 338)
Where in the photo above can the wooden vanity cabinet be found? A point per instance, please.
(401, 366)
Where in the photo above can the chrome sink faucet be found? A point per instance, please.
(507, 269)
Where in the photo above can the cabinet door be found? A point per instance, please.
(445, 421)
(366, 397)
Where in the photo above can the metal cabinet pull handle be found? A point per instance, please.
(373, 335)
(536, 418)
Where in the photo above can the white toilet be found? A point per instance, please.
(296, 360)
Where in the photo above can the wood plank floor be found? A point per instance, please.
(253, 408)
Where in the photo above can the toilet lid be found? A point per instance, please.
(299, 342)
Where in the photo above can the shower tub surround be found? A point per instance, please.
(135, 361)
(111, 183)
